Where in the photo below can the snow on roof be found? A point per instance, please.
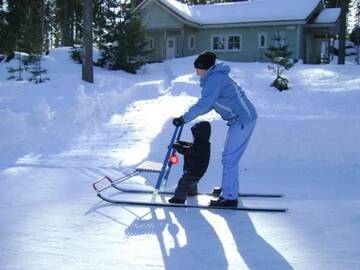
(244, 12)
(328, 15)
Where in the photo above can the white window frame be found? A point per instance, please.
(283, 34)
(240, 42)
(189, 42)
(212, 42)
(150, 43)
(265, 40)
(283, 41)
(226, 42)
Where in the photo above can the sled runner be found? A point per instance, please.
(163, 169)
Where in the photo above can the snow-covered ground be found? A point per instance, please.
(58, 137)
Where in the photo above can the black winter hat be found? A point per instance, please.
(201, 131)
(205, 60)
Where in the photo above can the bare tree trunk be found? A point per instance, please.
(87, 63)
(342, 33)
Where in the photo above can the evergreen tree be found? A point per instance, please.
(36, 70)
(124, 38)
(355, 34)
(332, 3)
(25, 29)
(17, 73)
(280, 58)
(68, 17)
(26, 32)
(2, 29)
(65, 18)
(101, 17)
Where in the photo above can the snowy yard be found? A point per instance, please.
(58, 137)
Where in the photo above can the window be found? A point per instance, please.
(280, 38)
(234, 43)
(218, 43)
(262, 40)
(150, 43)
(226, 42)
(191, 43)
(283, 38)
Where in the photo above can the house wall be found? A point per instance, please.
(250, 50)
(314, 37)
(161, 24)
(155, 17)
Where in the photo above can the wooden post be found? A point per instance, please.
(87, 64)
(165, 43)
(182, 42)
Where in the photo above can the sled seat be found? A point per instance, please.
(149, 167)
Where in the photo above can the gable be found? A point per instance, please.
(155, 16)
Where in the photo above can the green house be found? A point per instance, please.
(239, 31)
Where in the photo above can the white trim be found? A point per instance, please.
(188, 21)
(283, 42)
(150, 41)
(240, 42)
(259, 40)
(189, 42)
(298, 45)
(168, 10)
(212, 42)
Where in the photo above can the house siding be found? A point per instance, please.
(250, 50)
(162, 23)
(156, 17)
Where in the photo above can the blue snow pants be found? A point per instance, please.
(236, 141)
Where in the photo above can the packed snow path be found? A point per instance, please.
(305, 145)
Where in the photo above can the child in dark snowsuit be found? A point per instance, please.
(196, 161)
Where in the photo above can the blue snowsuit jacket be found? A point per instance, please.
(221, 93)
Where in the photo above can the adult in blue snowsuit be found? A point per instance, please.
(222, 94)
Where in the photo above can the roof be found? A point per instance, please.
(252, 11)
(328, 15)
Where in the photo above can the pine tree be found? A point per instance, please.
(124, 37)
(2, 29)
(332, 3)
(101, 20)
(355, 35)
(26, 33)
(35, 68)
(65, 18)
(280, 58)
(17, 73)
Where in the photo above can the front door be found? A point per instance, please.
(170, 47)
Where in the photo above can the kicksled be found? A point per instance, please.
(163, 170)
